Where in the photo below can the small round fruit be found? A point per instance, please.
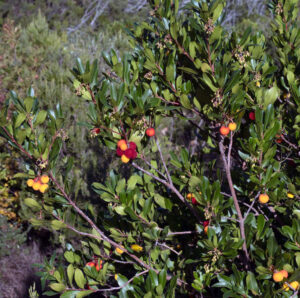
(263, 198)
(132, 145)
(129, 153)
(30, 182)
(150, 132)
(43, 188)
(119, 152)
(189, 196)
(252, 116)
(206, 229)
(116, 276)
(293, 284)
(257, 84)
(194, 201)
(119, 251)
(125, 159)
(98, 267)
(290, 195)
(224, 131)
(277, 276)
(136, 248)
(123, 146)
(45, 179)
(232, 126)
(120, 142)
(36, 185)
(90, 264)
(284, 273)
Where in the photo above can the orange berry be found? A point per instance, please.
(125, 159)
(232, 126)
(123, 146)
(90, 264)
(99, 267)
(120, 142)
(284, 273)
(119, 251)
(30, 182)
(150, 132)
(224, 130)
(43, 188)
(189, 196)
(206, 229)
(44, 179)
(36, 185)
(263, 198)
(277, 276)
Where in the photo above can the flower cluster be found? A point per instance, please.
(126, 151)
(39, 183)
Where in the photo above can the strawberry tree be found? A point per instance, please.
(219, 221)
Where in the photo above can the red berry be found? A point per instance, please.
(134, 155)
(119, 152)
(194, 201)
(129, 153)
(252, 116)
(132, 145)
(205, 223)
(96, 130)
(150, 132)
(224, 130)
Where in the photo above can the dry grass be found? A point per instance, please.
(17, 273)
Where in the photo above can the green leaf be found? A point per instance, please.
(41, 117)
(57, 225)
(271, 96)
(57, 287)
(28, 101)
(69, 256)
(79, 278)
(32, 204)
(70, 272)
(19, 120)
(252, 283)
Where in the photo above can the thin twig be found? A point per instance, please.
(235, 200)
(163, 161)
(171, 187)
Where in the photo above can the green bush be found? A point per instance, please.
(175, 221)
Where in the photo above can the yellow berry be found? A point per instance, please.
(123, 146)
(125, 159)
(30, 182)
(116, 276)
(44, 187)
(36, 185)
(119, 251)
(294, 285)
(263, 198)
(136, 248)
(232, 126)
(278, 276)
(189, 196)
(290, 195)
(45, 179)
(258, 84)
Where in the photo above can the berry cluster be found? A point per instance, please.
(190, 196)
(96, 264)
(224, 130)
(126, 151)
(39, 183)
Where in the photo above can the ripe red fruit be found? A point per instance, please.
(224, 131)
(206, 223)
(252, 116)
(150, 132)
(194, 201)
(119, 152)
(129, 153)
(132, 145)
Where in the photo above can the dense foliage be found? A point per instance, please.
(220, 218)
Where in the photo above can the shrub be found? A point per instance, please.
(171, 221)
